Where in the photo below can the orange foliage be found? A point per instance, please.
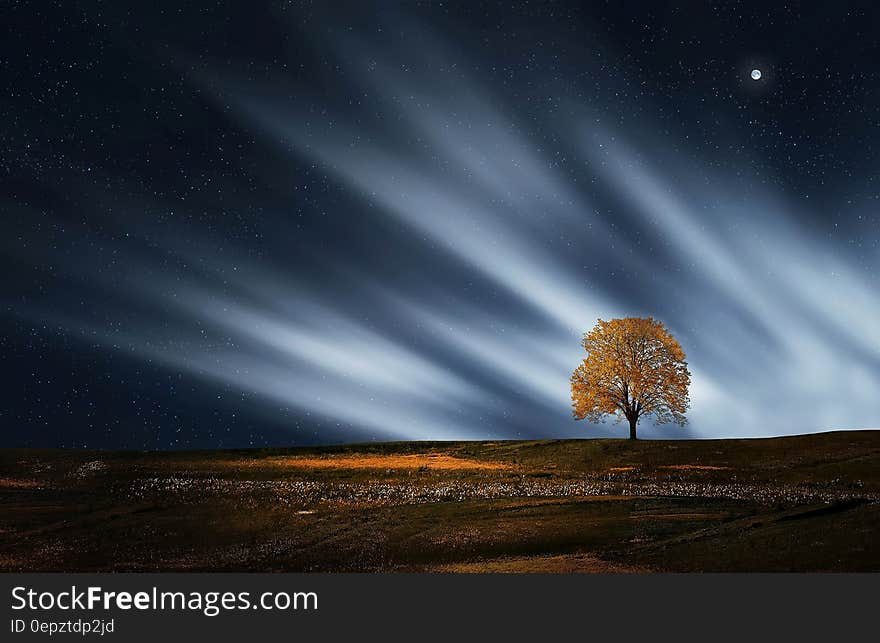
(634, 367)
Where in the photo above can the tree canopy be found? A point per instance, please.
(634, 367)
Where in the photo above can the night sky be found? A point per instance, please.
(248, 224)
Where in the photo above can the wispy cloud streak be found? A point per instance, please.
(522, 239)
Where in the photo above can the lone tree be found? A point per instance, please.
(634, 367)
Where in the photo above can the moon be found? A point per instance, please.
(756, 74)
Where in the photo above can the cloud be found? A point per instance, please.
(517, 232)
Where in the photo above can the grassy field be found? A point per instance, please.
(805, 503)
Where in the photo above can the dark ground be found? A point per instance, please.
(805, 503)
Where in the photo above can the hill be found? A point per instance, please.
(802, 503)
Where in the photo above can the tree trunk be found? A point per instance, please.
(632, 427)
